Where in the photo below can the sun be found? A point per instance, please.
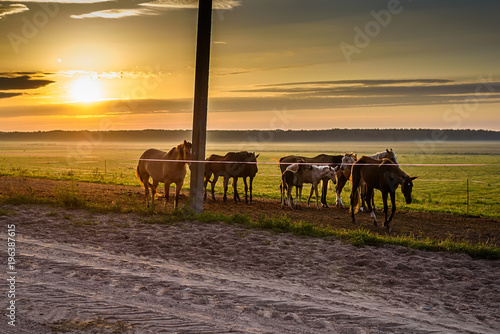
(85, 90)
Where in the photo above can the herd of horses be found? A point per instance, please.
(380, 171)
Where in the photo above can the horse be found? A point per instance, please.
(345, 168)
(387, 154)
(344, 174)
(249, 171)
(224, 166)
(383, 175)
(159, 166)
(314, 175)
(293, 177)
(332, 160)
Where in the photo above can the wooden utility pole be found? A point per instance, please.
(200, 103)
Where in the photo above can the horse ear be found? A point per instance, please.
(413, 178)
(185, 142)
(387, 150)
(257, 156)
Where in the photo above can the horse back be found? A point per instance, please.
(333, 160)
(152, 162)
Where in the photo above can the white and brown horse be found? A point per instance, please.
(331, 160)
(162, 167)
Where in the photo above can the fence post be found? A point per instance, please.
(105, 171)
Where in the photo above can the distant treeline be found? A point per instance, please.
(394, 135)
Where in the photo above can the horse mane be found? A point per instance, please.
(180, 150)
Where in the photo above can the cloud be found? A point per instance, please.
(58, 1)
(7, 95)
(116, 13)
(184, 4)
(22, 82)
(12, 9)
(409, 88)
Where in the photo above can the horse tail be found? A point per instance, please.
(355, 180)
(139, 176)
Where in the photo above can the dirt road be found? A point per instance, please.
(83, 272)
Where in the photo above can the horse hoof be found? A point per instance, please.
(326, 205)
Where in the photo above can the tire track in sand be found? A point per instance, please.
(70, 281)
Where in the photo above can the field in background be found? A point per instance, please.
(438, 188)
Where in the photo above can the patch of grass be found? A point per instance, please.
(70, 197)
(6, 212)
(99, 325)
(81, 223)
(27, 196)
(358, 237)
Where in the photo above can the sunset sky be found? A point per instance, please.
(288, 64)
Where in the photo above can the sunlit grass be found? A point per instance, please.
(438, 189)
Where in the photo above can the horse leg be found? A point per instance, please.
(146, 191)
(316, 190)
(393, 203)
(207, 179)
(167, 194)
(178, 187)
(299, 205)
(251, 192)
(386, 209)
(338, 189)
(236, 196)
(369, 192)
(226, 181)
(324, 191)
(246, 189)
(289, 196)
(213, 183)
(153, 193)
(310, 195)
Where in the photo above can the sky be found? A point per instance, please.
(275, 64)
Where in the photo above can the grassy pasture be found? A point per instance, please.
(438, 188)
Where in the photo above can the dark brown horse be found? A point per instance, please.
(331, 160)
(227, 167)
(383, 175)
(161, 167)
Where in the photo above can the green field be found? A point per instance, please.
(438, 188)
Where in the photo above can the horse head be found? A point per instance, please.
(332, 173)
(348, 160)
(407, 187)
(391, 156)
(185, 151)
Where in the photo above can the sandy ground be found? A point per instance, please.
(87, 272)
(103, 273)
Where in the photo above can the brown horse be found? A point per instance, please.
(224, 166)
(159, 166)
(345, 169)
(331, 160)
(383, 175)
(344, 174)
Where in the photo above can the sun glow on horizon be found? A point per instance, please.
(86, 90)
